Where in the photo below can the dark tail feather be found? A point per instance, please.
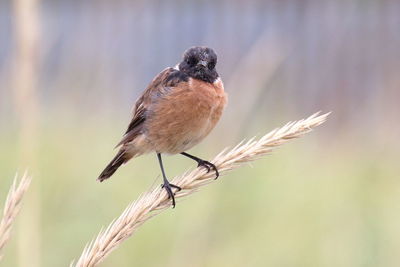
(117, 161)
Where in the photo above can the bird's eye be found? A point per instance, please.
(192, 61)
(211, 65)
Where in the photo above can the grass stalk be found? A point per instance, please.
(12, 208)
(156, 200)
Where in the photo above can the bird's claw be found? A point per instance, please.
(208, 165)
(168, 187)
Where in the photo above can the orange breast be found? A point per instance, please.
(185, 116)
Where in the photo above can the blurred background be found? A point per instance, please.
(71, 70)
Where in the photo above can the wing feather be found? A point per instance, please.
(159, 87)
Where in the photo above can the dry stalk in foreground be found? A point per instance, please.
(12, 207)
(155, 200)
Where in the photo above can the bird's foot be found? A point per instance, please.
(208, 165)
(168, 187)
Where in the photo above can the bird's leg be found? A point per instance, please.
(166, 185)
(203, 163)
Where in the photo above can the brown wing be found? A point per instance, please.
(159, 87)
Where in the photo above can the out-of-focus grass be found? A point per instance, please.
(311, 203)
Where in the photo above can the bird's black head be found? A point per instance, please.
(199, 63)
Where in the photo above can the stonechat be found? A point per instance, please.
(176, 111)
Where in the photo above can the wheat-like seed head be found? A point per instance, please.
(156, 199)
(12, 207)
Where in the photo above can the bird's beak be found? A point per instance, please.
(203, 63)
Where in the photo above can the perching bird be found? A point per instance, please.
(176, 111)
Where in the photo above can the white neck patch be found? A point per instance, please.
(218, 80)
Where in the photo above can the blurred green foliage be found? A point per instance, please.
(314, 202)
